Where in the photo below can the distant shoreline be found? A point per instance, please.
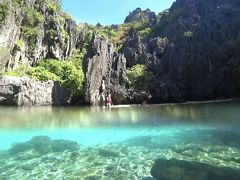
(183, 103)
(130, 105)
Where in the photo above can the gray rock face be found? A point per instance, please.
(56, 34)
(28, 92)
(185, 51)
(105, 72)
(142, 15)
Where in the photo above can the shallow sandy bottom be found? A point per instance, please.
(130, 159)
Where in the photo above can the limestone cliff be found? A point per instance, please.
(105, 72)
(191, 50)
(188, 51)
(32, 30)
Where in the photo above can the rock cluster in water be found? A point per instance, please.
(28, 92)
(43, 158)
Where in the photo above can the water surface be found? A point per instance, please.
(116, 143)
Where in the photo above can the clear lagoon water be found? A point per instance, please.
(117, 143)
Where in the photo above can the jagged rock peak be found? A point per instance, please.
(142, 16)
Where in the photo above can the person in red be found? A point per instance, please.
(109, 101)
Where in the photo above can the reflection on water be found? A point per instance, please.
(47, 117)
(121, 142)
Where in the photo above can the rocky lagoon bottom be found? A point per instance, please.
(162, 142)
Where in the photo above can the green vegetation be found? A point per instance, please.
(20, 72)
(19, 44)
(30, 29)
(30, 34)
(64, 33)
(52, 6)
(87, 38)
(144, 33)
(52, 33)
(141, 27)
(66, 15)
(4, 57)
(4, 10)
(117, 35)
(226, 9)
(114, 35)
(16, 2)
(42, 74)
(167, 18)
(69, 75)
(139, 76)
(32, 17)
(188, 34)
(172, 16)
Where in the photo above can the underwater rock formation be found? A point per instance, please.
(44, 145)
(28, 92)
(179, 169)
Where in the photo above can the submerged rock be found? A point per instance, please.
(107, 153)
(29, 92)
(19, 147)
(44, 145)
(174, 169)
(61, 145)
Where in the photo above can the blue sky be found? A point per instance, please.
(109, 12)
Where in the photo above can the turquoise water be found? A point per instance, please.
(118, 143)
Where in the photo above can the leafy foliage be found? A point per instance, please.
(70, 75)
(167, 18)
(31, 35)
(19, 44)
(4, 10)
(32, 17)
(64, 33)
(139, 76)
(16, 2)
(188, 34)
(144, 33)
(41, 74)
(20, 72)
(52, 6)
(172, 16)
(226, 9)
(4, 57)
(29, 29)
